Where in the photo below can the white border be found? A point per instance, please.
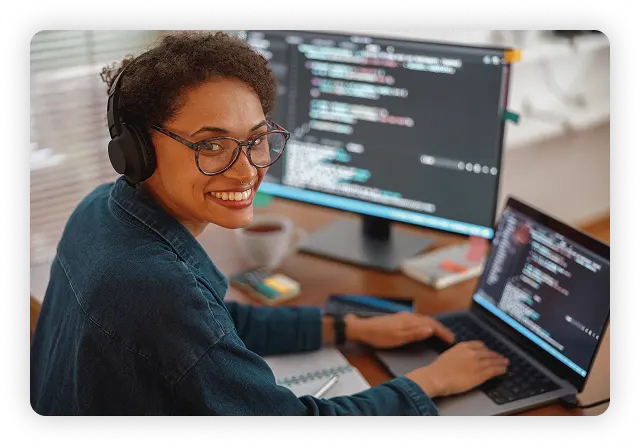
(632, 7)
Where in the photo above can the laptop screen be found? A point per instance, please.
(549, 288)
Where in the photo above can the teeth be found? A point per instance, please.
(232, 196)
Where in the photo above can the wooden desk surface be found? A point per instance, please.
(320, 277)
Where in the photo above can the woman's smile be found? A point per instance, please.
(237, 198)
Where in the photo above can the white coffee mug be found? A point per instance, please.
(269, 239)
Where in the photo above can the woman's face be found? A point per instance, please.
(222, 107)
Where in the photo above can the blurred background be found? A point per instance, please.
(559, 89)
(68, 124)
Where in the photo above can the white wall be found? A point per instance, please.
(567, 176)
(557, 157)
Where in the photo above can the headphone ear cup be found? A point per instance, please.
(125, 155)
(132, 154)
(146, 150)
(117, 156)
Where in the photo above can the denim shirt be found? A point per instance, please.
(134, 322)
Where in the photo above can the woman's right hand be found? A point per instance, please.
(460, 368)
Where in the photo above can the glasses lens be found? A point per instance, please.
(216, 155)
(267, 149)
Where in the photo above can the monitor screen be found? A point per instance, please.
(404, 130)
(549, 288)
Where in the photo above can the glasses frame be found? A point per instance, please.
(202, 145)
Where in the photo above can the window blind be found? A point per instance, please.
(69, 134)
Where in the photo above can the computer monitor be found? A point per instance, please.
(393, 130)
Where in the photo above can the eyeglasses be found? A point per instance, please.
(216, 155)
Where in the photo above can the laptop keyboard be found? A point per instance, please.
(522, 380)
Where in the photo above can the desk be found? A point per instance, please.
(320, 277)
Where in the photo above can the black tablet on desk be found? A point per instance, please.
(367, 306)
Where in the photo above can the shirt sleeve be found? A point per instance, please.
(275, 331)
(229, 379)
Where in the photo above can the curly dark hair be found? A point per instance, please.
(152, 87)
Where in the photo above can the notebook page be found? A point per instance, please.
(305, 373)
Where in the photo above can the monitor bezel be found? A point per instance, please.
(506, 82)
(553, 364)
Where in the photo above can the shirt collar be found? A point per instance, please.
(138, 203)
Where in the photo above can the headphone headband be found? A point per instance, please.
(113, 103)
(130, 150)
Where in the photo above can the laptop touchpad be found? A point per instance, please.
(401, 361)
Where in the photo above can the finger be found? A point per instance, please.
(493, 371)
(412, 320)
(441, 331)
(435, 326)
(474, 345)
(489, 354)
(490, 361)
(420, 332)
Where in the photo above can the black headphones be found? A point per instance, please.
(131, 151)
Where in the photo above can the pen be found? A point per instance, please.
(328, 385)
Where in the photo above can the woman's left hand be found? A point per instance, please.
(394, 330)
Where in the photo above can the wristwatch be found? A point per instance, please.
(339, 328)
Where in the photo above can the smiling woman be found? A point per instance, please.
(134, 320)
(182, 97)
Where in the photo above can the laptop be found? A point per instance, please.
(542, 301)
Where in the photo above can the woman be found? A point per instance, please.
(134, 322)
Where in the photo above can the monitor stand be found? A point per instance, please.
(371, 242)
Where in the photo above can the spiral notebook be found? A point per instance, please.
(305, 373)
